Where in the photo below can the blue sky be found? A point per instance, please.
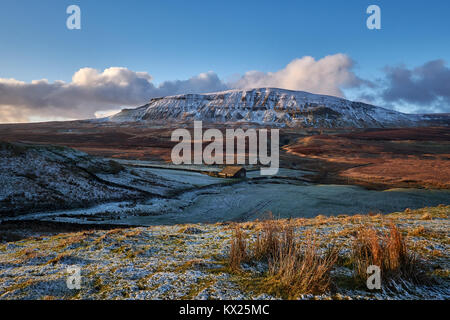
(174, 40)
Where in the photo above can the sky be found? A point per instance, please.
(127, 52)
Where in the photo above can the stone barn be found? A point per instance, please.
(233, 172)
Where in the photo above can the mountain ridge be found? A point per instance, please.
(267, 106)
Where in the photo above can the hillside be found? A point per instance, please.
(44, 177)
(267, 106)
(400, 157)
(47, 177)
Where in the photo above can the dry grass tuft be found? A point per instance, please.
(301, 269)
(108, 233)
(133, 233)
(418, 231)
(294, 267)
(388, 251)
(437, 253)
(28, 254)
(70, 240)
(272, 238)
(426, 216)
(238, 250)
(58, 258)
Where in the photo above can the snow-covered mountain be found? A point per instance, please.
(267, 106)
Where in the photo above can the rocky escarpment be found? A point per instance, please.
(267, 106)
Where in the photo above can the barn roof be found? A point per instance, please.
(231, 170)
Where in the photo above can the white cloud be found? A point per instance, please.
(202, 83)
(325, 76)
(13, 114)
(92, 93)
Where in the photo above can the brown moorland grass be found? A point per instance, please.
(390, 252)
(302, 269)
(408, 157)
(238, 250)
(273, 238)
(298, 265)
(294, 267)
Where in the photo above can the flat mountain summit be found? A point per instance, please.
(269, 106)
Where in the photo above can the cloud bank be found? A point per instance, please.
(92, 93)
(427, 87)
(89, 91)
(328, 75)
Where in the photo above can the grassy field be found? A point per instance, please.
(199, 261)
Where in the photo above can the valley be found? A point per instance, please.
(105, 195)
(323, 172)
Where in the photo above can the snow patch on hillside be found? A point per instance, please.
(266, 106)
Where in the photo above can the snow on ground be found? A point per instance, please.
(190, 261)
(36, 177)
(43, 178)
(197, 198)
